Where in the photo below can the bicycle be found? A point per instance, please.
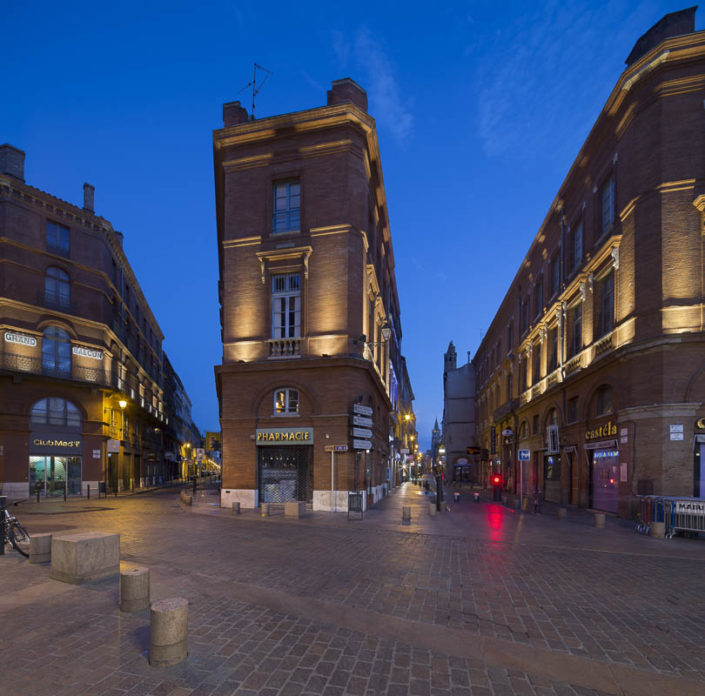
(16, 536)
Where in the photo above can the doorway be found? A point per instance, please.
(51, 476)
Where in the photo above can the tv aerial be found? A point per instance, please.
(256, 89)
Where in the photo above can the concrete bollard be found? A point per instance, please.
(294, 509)
(432, 509)
(406, 514)
(40, 548)
(599, 520)
(264, 512)
(236, 508)
(134, 588)
(168, 632)
(658, 530)
(562, 513)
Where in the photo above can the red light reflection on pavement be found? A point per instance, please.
(495, 520)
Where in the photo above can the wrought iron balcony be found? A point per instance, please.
(14, 362)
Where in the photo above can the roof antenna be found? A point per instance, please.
(255, 88)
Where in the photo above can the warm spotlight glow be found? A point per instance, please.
(122, 403)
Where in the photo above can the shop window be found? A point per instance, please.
(57, 291)
(286, 305)
(603, 400)
(605, 296)
(286, 401)
(57, 239)
(56, 351)
(287, 206)
(55, 412)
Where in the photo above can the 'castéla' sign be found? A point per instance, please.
(609, 429)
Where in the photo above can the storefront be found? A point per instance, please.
(285, 464)
(55, 464)
(603, 460)
(552, 477)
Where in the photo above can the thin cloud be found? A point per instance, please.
(367, 56)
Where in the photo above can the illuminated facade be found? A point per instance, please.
(312, 372)
(591, 377)
(81, 397)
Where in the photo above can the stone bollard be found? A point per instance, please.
(40, 548)
(658, 530)
(562, 513)
(265, 510)
(168, 632)
(406, 514)
(134, 588)
(432, 509)
(236, 508)
(599, 520)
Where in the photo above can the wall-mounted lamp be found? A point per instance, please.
(122, 403)
(385, 332)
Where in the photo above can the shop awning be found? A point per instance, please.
(602, 444)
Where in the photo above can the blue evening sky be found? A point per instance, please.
(481, 108)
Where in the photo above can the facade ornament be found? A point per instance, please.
(591, 281)
(615, 258)
(542, 334)
(583, 291)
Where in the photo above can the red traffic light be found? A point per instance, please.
(496, 479)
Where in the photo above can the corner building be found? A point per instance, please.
(82, 402)
(591, 377)
(309, 387)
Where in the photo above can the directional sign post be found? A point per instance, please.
(362, 444)
(363, 421)
(362, 410)
(362, 433)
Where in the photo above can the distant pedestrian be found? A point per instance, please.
(537, 501)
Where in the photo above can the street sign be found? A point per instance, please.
(524, 455)
(404, 450)
(113, 446)
(362, 433)
(363, 421)
(473, 450)
(362, 410)
(362, 444)
(336, 448)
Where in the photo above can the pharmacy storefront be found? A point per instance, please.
(284, 464)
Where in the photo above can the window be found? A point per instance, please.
(57, 238)
(286, 305)
(55, 412)
(606, 300)
(576, 246)
(287, 207)
(535, 425)
(572, 410)
(555, 275)
(56, 287)
(603, 400)
(576, 328)
(522, 375)
(286, 401)
(607, 205)
(509, 386)
(537, 363)
(56, 351)
(523, 430)
(538, 297)
(510, 336)
(525, 316)
(552, 349)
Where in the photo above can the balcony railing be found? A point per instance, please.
(603, 345)
(574, 364)
(14, 362)
(284, 347)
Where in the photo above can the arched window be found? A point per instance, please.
(56, 287)
(523, 430)
(286, 401)
(56, 351)
(603, 400)
(55, 412)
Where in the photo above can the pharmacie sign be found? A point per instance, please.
(284, 436)
(609, 429)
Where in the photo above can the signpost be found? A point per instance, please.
(523, 455)
(363, 421)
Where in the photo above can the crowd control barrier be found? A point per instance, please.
(684, 515)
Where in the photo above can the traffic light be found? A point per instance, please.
(496, 480)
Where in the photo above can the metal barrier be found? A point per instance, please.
(651, 509)
(684, 515)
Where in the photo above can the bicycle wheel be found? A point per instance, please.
(19, 537)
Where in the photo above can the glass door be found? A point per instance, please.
(37, 475)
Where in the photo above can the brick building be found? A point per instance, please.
(81, 396)
(591, 376)
(309, 309)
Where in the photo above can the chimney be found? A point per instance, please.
(347, 90)
(88, 197)
(12, 161)
(234, 113)
(672, 24)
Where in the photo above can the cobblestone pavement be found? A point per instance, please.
(477, 600)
